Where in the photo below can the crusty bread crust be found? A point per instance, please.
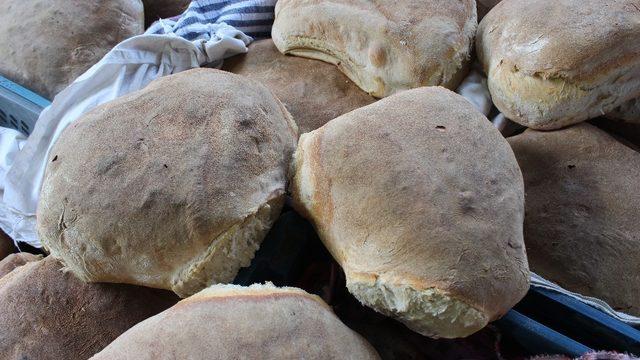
(420, 200)
(46, 44)
(555, 63)
(314, 92)
(581, 227)
(173, 186)
(235, 322)
(382, 46)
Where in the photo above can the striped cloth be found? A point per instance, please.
(252, 17)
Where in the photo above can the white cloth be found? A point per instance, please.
(474, 89)
(128, 67)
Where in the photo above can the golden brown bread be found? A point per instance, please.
(582, 196)
(420, 200)
(234, 322)
(382, 46)
(553, 63)
(46, 44)
(314, 92)
(173, 186)
(48, 314)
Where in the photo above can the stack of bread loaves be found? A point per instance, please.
(382, 46)
(46, 44)
(553, 63)
(171, 187)
(420, 200)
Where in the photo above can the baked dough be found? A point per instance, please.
(172, 187)
(420, 200)
(382, 46)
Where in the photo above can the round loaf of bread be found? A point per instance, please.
(173, 186)
(46, 44)
(314, 92)
(16, 260)
(553, 63)
(420, 200)
(48, 314)
(234, 322)
(581, 227)
(382, 46)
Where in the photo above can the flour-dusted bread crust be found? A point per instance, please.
(314, 92)
(382, 46)
(420, 200)
(13, 261)
(48, 314)
(581, 227)
(46, 44)
(234, 322)
(173, 186)
(553, 63)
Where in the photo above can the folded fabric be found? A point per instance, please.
(253, 17)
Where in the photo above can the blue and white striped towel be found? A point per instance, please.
(252, 17)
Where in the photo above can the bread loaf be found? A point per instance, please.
(420, 200)
(48, 314)
(582, 196)
(553, 63)
(46, 44)
(382, 46)
(314, 92)
(234, 322)
(15, 260)
(171, 187)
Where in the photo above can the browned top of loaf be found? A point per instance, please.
(46, 44)
(314, 92)
(420, 189)
(581, 227)
(383, 46)
(15, 260)
(49, 314)
(571, 39)
(137, 189)
(244, 323)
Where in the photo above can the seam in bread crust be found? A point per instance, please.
(228, 252)
(254, 290)
(318, 49)
(430, 312)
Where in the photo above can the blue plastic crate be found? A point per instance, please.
(19, 107)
